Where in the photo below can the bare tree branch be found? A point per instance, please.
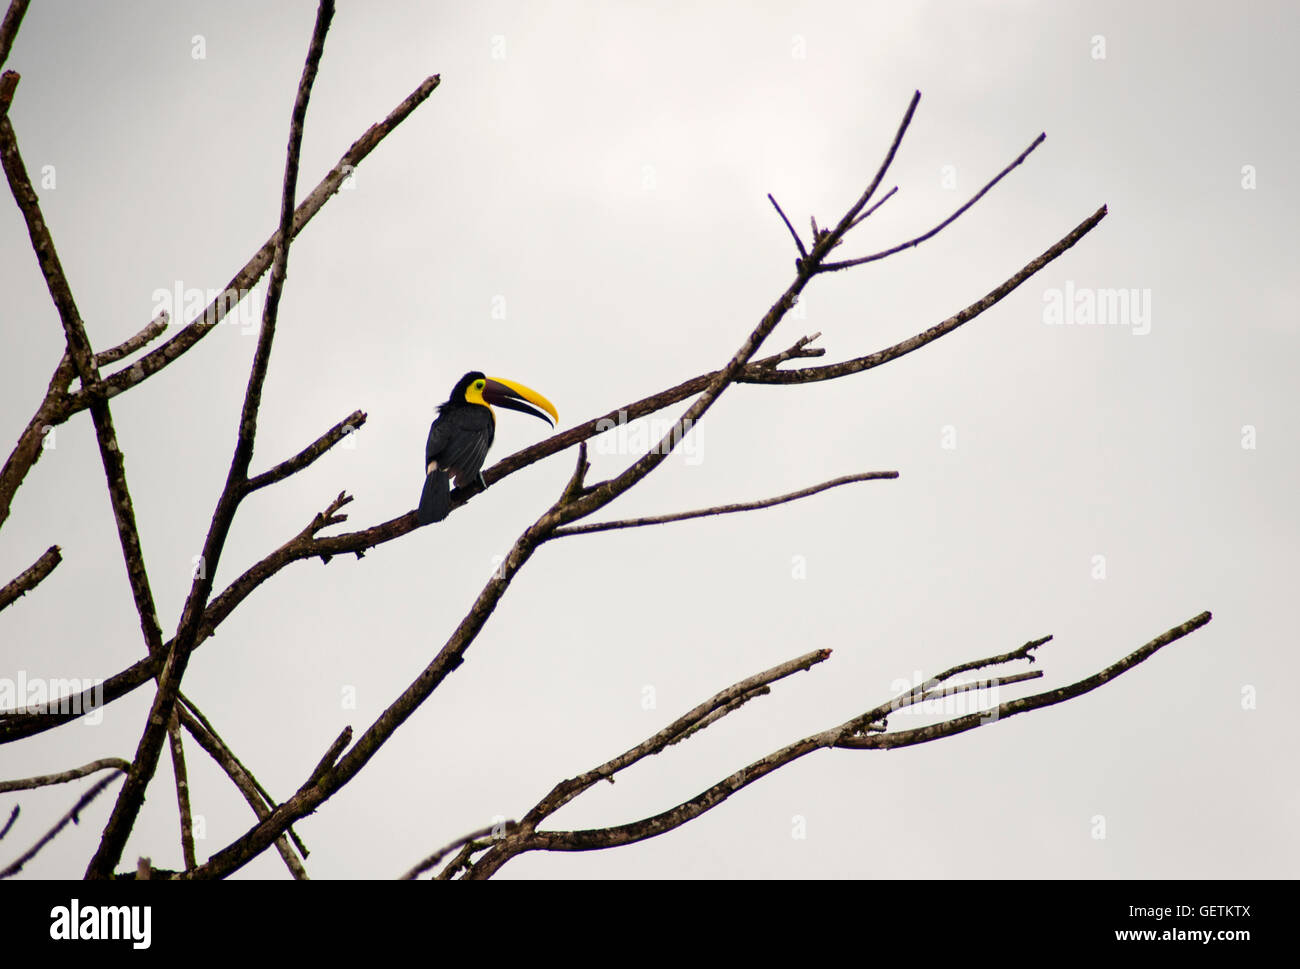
(246, 278)
(846, 735)
(342, 763)
(708, 712)
(323, 783)
(921, 735)
(15, 725)
(31, 576)
(244, 781)
(597, 496)
(85, 363)
(77, 358)
(31, 444)
(83, 358)
(58, 407)
(570, 507)
(9, 27)
(131, 797)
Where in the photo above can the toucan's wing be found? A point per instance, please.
(471, 456)
(440, 433)
(459, 441)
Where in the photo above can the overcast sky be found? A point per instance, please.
(581, 206)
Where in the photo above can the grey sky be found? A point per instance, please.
(581, 206)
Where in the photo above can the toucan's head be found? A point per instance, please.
(475, 388)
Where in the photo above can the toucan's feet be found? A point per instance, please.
(481, 483)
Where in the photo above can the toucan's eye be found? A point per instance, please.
(478, 385)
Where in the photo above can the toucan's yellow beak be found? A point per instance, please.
(515, 396)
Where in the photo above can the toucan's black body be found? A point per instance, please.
(458, 442)
(461, 434)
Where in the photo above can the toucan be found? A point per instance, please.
(461, 434)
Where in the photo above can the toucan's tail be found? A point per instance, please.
(435, 499)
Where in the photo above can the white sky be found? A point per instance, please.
(601, 170)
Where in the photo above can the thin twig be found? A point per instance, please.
(72, 815)
(867, 214)
(350, 424)
(847, 222)
(798, 350)
(1025, 652)
(182, 792)
(803, 253)
(461, 861)
(45, 780)
(831, 267)
(685, 725)
(330, 758)
(948, 728)
(723, 509)
(447, 849)
(980, 686)
(904, 347)
(31, 576)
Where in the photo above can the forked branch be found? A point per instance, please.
(853, 734)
